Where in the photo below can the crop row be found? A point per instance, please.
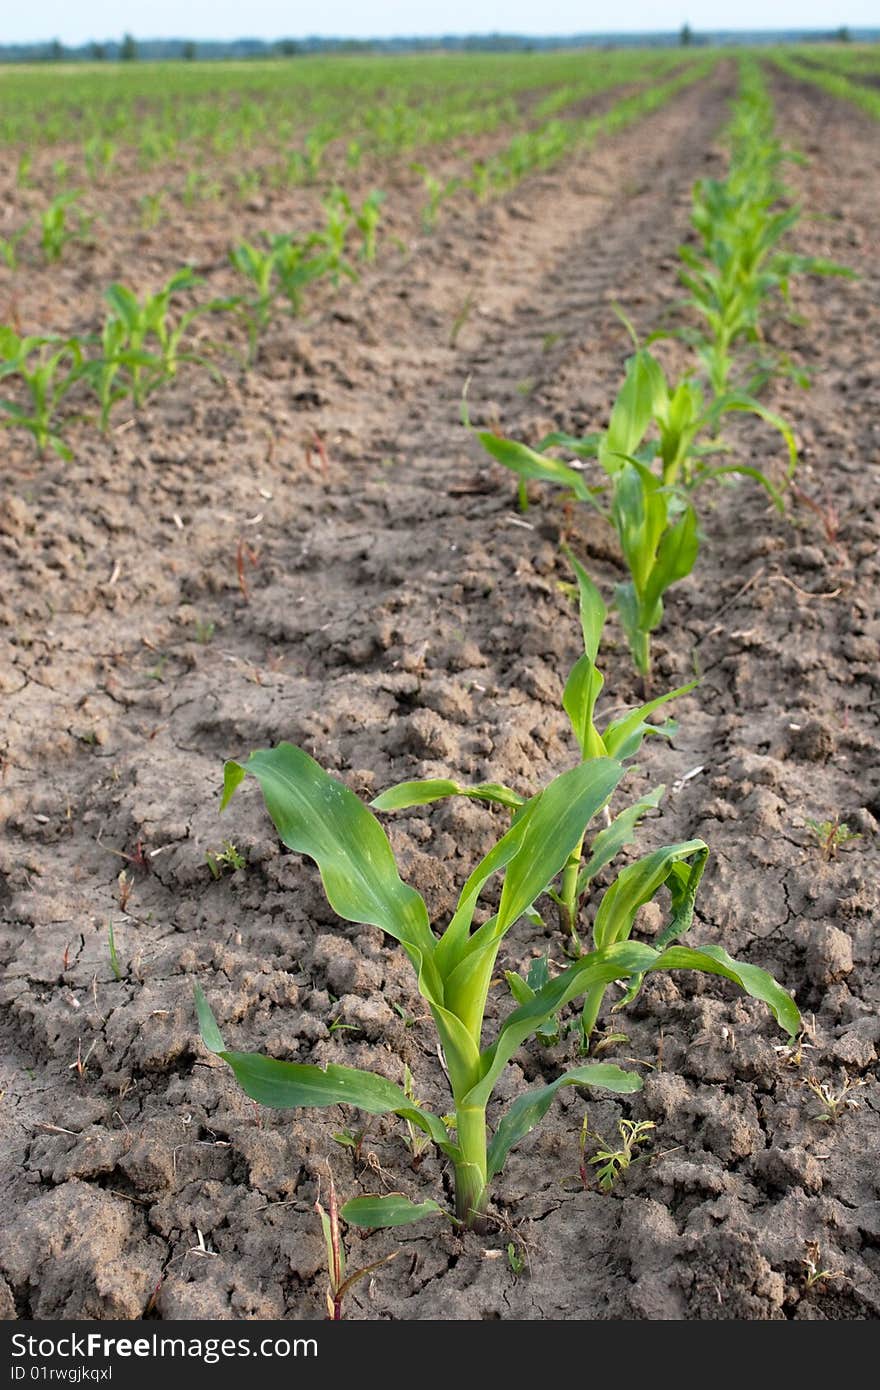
(838, 85)
(225, 109)
(656, 450)
(143, 342)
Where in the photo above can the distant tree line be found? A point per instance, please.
(128, 49)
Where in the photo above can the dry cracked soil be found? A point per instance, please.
(318, 551)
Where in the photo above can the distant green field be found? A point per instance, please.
(222, 107)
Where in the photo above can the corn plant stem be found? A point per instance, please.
(569, 891)
(471, 1171)
(590, 1014)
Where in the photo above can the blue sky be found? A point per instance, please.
(75, 21)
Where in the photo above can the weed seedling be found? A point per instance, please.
(339, 1282)
(834, 1103)
(227, 858)
(611, 1163)
(831, 835)
(516, 1261)
(814, 1276)
(114, 957)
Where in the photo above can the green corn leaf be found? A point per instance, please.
(740, 401)
(598, 968)
(629, 610)
(538, 843)
(528, 1110)
(612, 839)
(393, 1209)
(623, 737)
(423, 793)
(565, 808)
(676, 557)
(288, 1085)
(125, 305)
(524, 990)
(526, 463)
(584, 448)
(534, 851)
(642, 392)
(713, 960)
(317, 815)
(638, 883)
(585, 682)
(639, 512)
(593, 612)
(521, 991)
(582, 690)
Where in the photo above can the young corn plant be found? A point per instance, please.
(620, 738)
(652, 457)
(99, 155)
(47, 368)
(316, 815)
(260, 267)
(739, 265)
(438, 192)
(677, 868)
(9, 246)
(367, 219)
(142, 342)
(55, 230)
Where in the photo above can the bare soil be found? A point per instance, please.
(204, 582)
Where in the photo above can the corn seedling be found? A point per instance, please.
(651, 511)
(438, 191)
(610, 1162)
(831, 835)
(141, 341)
(740, 222)
(100, 156)
(367, 219)
(47, 368)
(55, 232)
(339, 1281)
(9, 246)
(258, 266)
(152, 206)
(316, 815)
